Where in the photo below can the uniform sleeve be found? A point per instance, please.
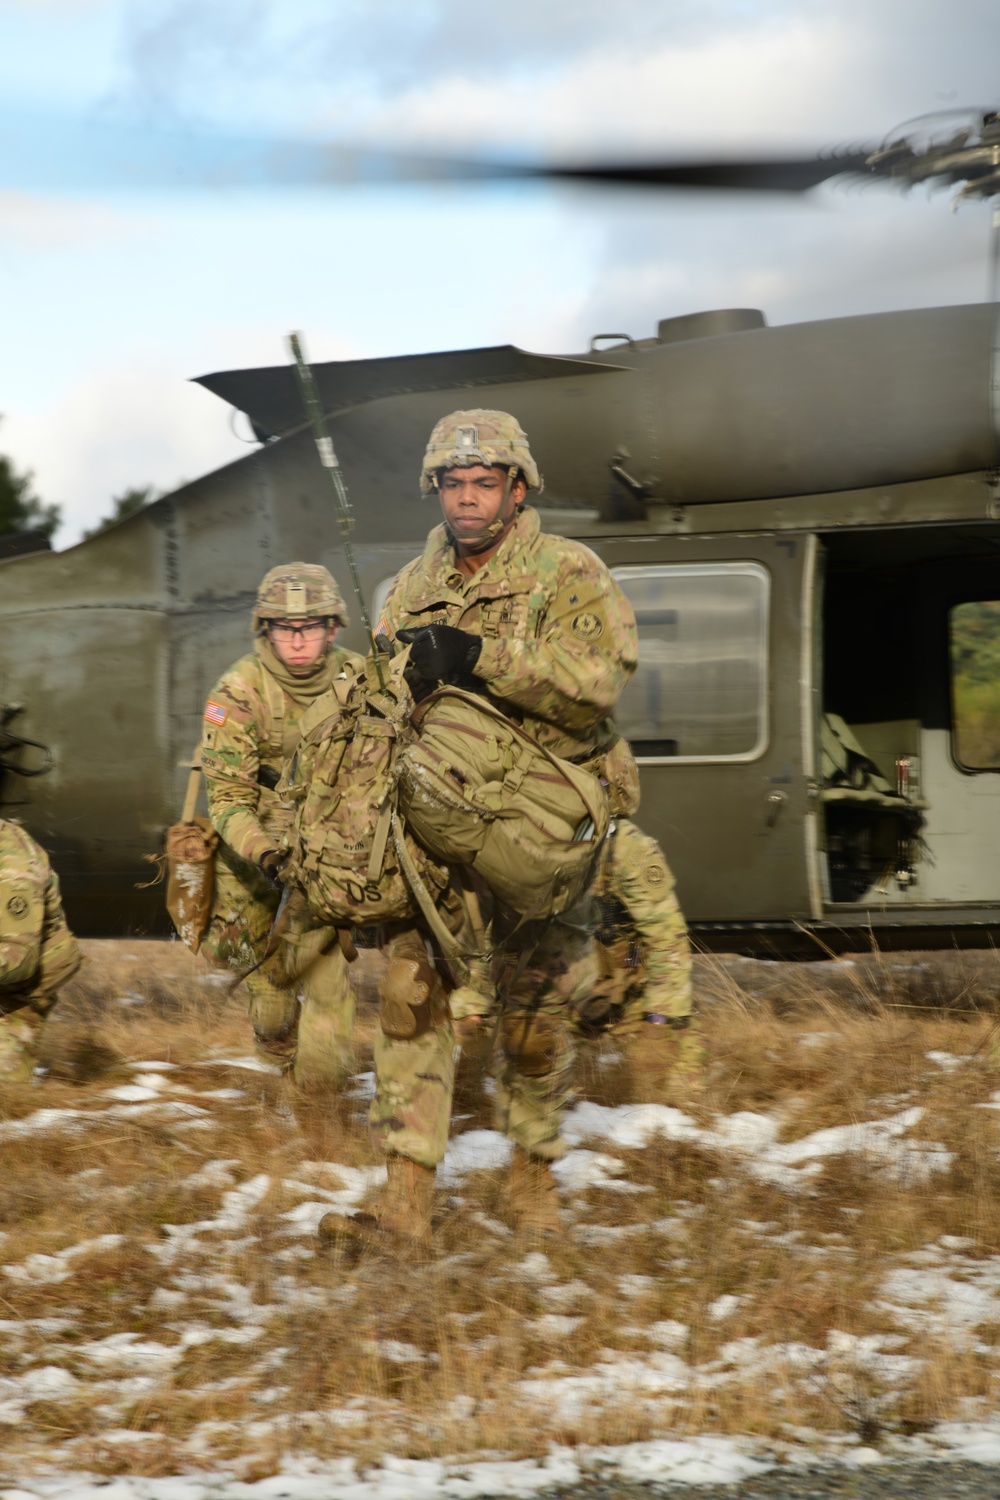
(230, 758)
(586, 650)
(61, 956)
(390, 620)
(640, 877)
(23, 877)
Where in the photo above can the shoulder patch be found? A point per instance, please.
(17, 906)
(587, 626)
(215, 713)
(654, 876)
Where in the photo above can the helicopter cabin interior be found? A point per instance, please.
(910, 662)
(817, 721)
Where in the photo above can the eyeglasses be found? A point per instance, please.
(311, 630)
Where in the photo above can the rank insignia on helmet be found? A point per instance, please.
(17, 906)
(587, 626)
(215, 713)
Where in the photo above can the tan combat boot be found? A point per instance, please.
(406, 1209)
(533, 1194)
(400, 1220)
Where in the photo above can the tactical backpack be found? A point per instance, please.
(343, 775)
(476, 789)
(391, 795)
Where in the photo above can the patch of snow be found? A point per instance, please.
(475, 1151)
(723, 1307)
(945, 1060)
(42, 1269)
(579, 1170)
(248, 1064)
(534, 1267)
(356, 1183)
(554, 1325)
(214, 1174)
(636, 1286)
(569, 1293)
(928, 1298)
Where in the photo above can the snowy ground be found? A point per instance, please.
(738, 1288)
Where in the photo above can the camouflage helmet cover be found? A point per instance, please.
(465, 438)
(298, 591)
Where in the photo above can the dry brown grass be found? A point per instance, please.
(257, 1347)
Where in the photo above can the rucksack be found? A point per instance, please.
(391, 795)
(343, 775)
(476, 789)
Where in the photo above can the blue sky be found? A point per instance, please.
(116, 292)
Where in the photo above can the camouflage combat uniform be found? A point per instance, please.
(38, 953)
(646, 957)
(251, 729)
(559, 644)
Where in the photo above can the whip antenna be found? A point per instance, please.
(328, 458)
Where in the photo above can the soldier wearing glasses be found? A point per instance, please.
(301, 1005)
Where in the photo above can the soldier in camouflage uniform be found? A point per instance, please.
(543, 628)
(38, 953)
(646, 957)
(251, 730)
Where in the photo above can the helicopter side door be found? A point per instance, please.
(721, 719)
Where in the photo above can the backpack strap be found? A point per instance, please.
(445, 939)
(381, 838)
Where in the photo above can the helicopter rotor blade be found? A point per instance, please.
(46, 153)
(782, 175)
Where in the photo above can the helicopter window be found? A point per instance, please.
(974, 644)
(700, 689)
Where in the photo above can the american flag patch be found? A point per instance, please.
(215, 713)
(382, 629)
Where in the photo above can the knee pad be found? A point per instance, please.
(406, 1010)
(531, 1042)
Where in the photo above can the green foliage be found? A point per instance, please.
(20, 507)
(125, 504)
(975, 667)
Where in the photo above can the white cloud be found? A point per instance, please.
(37, 222)
(137, 421)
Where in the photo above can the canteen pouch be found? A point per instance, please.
(190, 854)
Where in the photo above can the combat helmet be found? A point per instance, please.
(464, 438)
(298, 591)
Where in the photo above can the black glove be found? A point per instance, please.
(441, 653)
(271, 863)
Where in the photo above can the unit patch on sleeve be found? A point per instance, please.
(654, 876)
(215, 713)
(17, 906)
(587, 626)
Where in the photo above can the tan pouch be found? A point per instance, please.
(190, 850)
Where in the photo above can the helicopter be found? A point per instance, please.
(806, 520)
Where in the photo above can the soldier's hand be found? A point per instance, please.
(271, 864)
(440, 653)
